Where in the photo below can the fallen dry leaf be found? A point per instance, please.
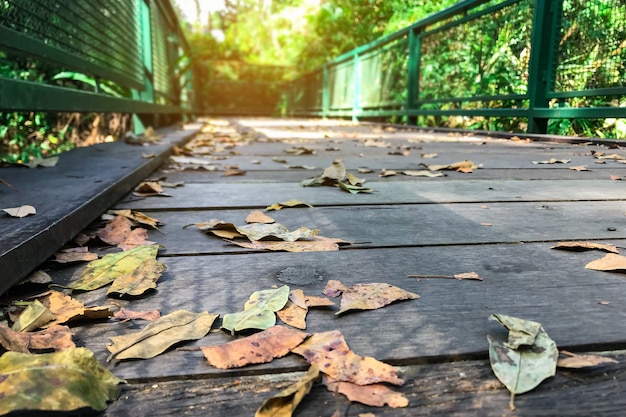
(35, 315)
(116, 231)
(375, 395)
(21, 211)
(285, 402)
(315, 301)
(125, 315)
(289, 203)
(580, 168)
(293, 315)
(136, 237)
(67, 309)
(429, 155)
(553, 161)
(160, 334)
(234, 172)
(149, 189)
(330, 352)
(137, 216)
(262, 347)
(80, 254)
(42, 162)
(55, 337)
(315, 244)
(575, 361)
(371, 296)
(584, 246)
(616, 178)
(371, 143)
(334, 288)
(611, 262)
(465, 166)
(259, 310)
(259, 217)
(423, 173)
(139, 280)
(387, 173)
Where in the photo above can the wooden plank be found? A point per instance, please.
(84, 183)
(437, 190)
(254, 174)
(410, 225)
(462, 388)
(530, 281)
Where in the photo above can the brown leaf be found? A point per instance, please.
(314, 301)
(611, 262)
(80, 254)
(371, 296)
(284, 403)
(580, 168)
(316, 244)
(262, 347)
(125, 315)
(584, 246)
(139, 280)
(234, 172)
(616, 178)
(66, 308)
(375, 395)
(387, 173)
(337, 171)
(137, 216)
(289, 203)
(293, 315)
(582, 361)
(55, 337)
(116, 231)
(330, 352)
(136, 237)
(429, 155)
(334, 288)
(468, 275)
(259, 217)
(149, 189)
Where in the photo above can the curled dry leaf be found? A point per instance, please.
(125, 315)
(137, 216)
(55, 337)
(67, 309)
(149, 189)
(583, 246)
(580, 168)
(262, 347)
(387, 173)
(259, 217)
(79, 254)
(574, 361)
(21, 211)
(521, 370)
(34, 316)
(375, 395)
(337, 171)
(315, 301)
(289, 203)
(136, 237)
(331, 354)
(611, 262)
(423, 173)
(315, 244)
(42, 162)
(160, 334)
(285, 402)
(234, 172)
(465, 166)
(334, 288)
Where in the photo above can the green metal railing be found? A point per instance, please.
(533, 60)
(92, 56)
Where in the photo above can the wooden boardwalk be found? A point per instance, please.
(499, 221)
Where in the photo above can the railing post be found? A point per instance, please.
(145, 39)
(325, 92)
(412, 83)
(356, 105)
(543, 37)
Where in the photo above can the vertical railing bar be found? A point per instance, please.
(357, 88)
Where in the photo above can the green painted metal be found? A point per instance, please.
(133, 45)
(564, 58)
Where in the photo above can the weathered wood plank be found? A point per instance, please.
(410, 225)
(464, 388)
(530, 281)
(437, 190)
(84, 183)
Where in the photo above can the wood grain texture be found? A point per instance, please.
(463, 388)
(530, 281)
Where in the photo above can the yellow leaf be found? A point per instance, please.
(105, 270)
(285, 402)
(611, 262)
(33, 317)
(140, 280)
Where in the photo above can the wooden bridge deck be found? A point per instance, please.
(499, 221)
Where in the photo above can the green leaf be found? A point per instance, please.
(524, 368)
(60, 381)
(259, 310)
(103, 271)
(521, 332)
(159, 335)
